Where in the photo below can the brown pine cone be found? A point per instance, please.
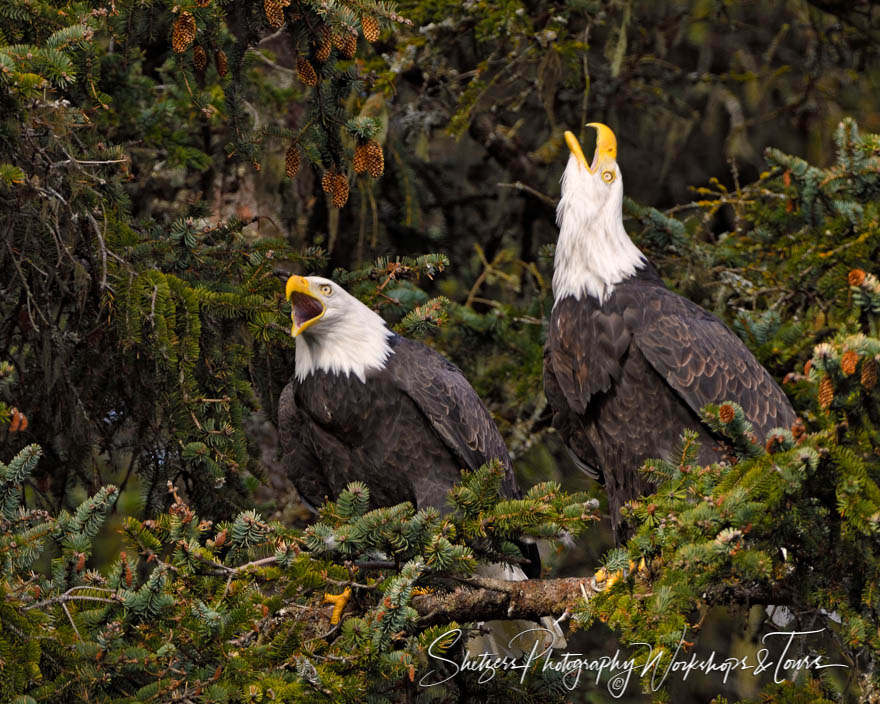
(346, 43)
(360, 158)
(869, 373)
(375, 158)
(221, 62)
(327, 179)
(339, 190)
(274, 10)
(183, 33)
(306, 72)
(726, 413)
(291, 161)
(856, 277)
(826, 392)
(203, 3)
(324, 44)
(370, 26)
(200, 58)
(848, 362)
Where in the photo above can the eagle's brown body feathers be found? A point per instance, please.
(407, 431)
(625, 377)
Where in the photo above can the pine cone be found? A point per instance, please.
(370, 26)
(183, 33)
(856, 277)
(339, 190)
(726, 413)
(200, 58)
(203, 3)
(324, 44)
(848, 362)
(291, 161)
(346, 43)
(327, 179)
(360, 158)
(826, 392)
(275, 12)
(375, 158)
(306, 72)
(221, 63)
(869, 373)
(18, 421)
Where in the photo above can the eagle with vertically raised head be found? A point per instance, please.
(628, 364)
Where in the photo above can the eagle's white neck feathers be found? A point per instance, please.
(593, 252)
(349, 339)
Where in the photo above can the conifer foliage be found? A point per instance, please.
(233, 611)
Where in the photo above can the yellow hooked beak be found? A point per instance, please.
(606, 146)
(306, 307)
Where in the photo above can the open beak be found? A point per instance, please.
(306, 307)
(606, 146)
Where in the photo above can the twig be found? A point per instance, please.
(520, 186)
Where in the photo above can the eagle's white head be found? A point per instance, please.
(593, 252)
(334, 331)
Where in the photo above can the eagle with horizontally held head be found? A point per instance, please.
(365, 404)
(628, 364)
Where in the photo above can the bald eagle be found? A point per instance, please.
(628, 364)
(365, 404)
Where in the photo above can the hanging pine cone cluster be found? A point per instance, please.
(826, 392)
(291, 161)
(869, 373)
(848, 362)
(306, 72)
(274, 10)
(324, 44)
(368, 157)
(183, 33)
(375, 158)
(200, 58)
(346, 43)
(221, 62)
(335, 183)
(370, 27)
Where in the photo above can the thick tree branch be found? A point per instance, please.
(482, 599)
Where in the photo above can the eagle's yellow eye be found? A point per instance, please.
(326, 289)
(607, 176)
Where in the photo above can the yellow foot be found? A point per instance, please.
(421, 591)
(339, 601)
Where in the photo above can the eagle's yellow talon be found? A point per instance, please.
(339, 601)
(614, 578)
(422, 591)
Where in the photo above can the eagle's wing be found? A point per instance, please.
(703, 360)
(568, 424)
(458, 416)
(296, 431)
(585, 351)
(451, 406)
